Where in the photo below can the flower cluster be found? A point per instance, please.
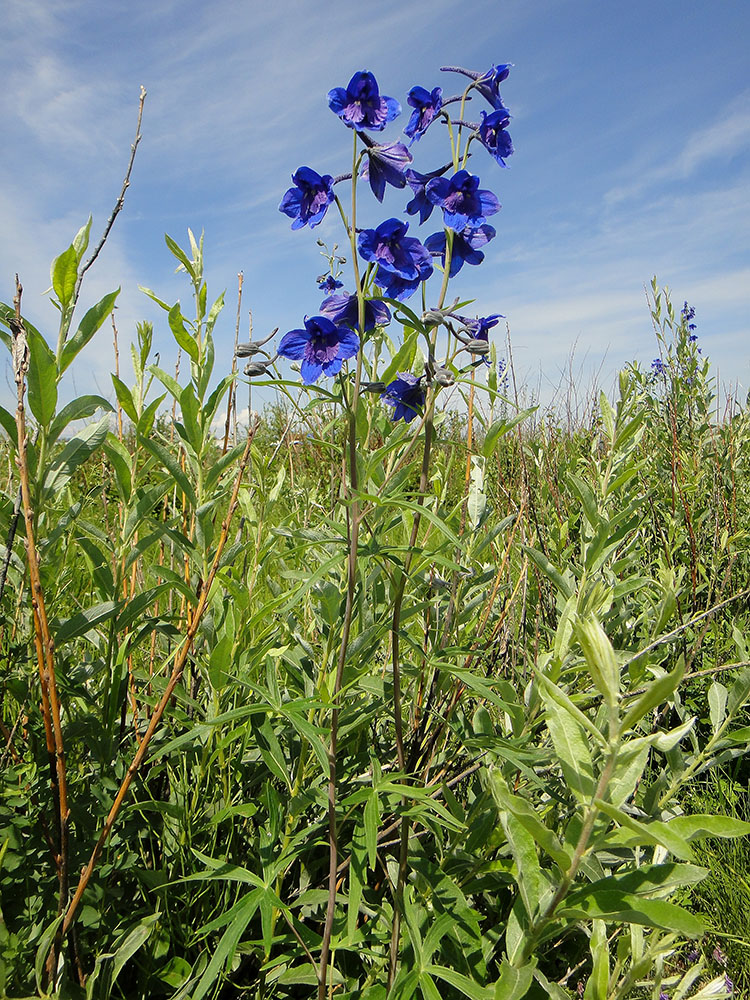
(395, 264)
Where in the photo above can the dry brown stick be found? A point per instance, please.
(118, 204)
(232, 393)
(179, 665)
(43, 638)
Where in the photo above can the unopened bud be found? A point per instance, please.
(478, 347)
(256, 368)
(444, 377)
(373, 386)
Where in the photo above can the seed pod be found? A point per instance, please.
(478, 347)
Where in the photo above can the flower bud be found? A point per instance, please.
(444, 377)
(478, 347)
(256, 368)
(372, 386)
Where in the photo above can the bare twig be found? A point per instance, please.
(231, 399)
(118, 204)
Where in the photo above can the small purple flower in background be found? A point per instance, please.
(688, 314)
(403, 262)
(719, 956)
(466, 246)
(385, 164)
(361, 106)
(344, 311)
(658, 367)
(493, 136)
(663, 995)
(327, 283)
(406, 395)
(693, 955)
(322, 347)
(307, 202)
(463, 203)
(728, 985)
(426, 106)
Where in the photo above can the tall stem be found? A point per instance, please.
(354, 522)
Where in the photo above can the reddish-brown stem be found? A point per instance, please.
(177, 670)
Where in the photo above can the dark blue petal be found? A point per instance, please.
(310, 371)
(293, 344)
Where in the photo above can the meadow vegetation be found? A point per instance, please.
(381, 695)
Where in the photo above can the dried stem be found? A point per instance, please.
(231, 399)
(118, 204)
(43, 638)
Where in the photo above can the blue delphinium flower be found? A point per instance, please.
(466, 246)
(479, 328)
(418, 183)
(658, 367)
(385, 164)
(321, 347)
(403, 262)
(463, 203)
(486, 83)
(493, 136)
(327, 283)
(361, 105)
(406, 395)
(426, 106)
(343, 310)
(307, 202)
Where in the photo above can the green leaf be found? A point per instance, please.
(41, 379)
(596, 987)
(523, 849)
(500, 428)
(613, 905)
(464, 985)
(81, 240)
(8, 423)
(573, 752)
(227, 946)
(656, 693)
(181, 256)
(529, 818)
(402, 359)
(45, 943)
(738, 693)
(717, 704)
(88, 326)
(120, 460)
(177, 325)
(170, 463)
(76, 451)
(64, 274)
(654, 832)
(512, 984)
(552, 574)
(146, 419)
(698, 827)
(80, 624)
(646, 881)
(76, 409)
(125, 398)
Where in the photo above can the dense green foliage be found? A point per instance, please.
(528, 806)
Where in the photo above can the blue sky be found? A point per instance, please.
(631, 127)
